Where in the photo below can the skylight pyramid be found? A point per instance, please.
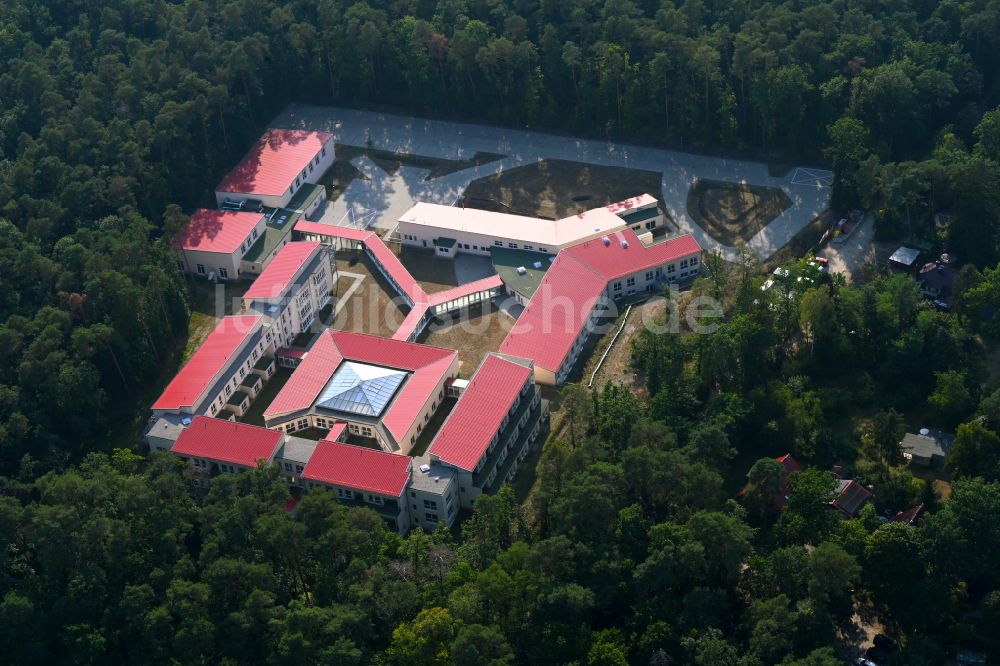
(361, 389)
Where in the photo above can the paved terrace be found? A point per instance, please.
(423, 306)
(385, 197)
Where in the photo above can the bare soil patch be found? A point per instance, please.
(432, 272)
(734, 212)
(481, 331)
(553, 189)
(372, 308)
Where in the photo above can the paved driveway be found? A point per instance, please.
(851, 255)
(387, 195)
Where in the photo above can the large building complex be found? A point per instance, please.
(280, 164)
(449, 230)
(385, 390)
(391, 425)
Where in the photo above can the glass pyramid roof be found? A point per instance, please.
(361, 389)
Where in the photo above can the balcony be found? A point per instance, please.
(528, 412)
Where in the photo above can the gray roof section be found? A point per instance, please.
(296, 449)
(905, 256)
(165, 430)
(435, 480)
(934, 443)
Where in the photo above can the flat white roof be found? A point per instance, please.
(550, 234)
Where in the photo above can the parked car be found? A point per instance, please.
(253, 205)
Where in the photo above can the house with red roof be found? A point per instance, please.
(580, 288)
(290, 292)
(492, 427)
(384, 390)
(223, 375)
(780, 498)
(281, 163)
(214, 242)
(363, 477)
(216, 446)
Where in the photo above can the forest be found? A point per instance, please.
(118, 117)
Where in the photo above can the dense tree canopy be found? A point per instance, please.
(116, 117)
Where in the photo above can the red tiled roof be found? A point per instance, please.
(227, 442)
(428, 365)
(216, 230)
(485, 284)
(418, 390)
(336, 431)
(358, 468)
(556, 314)
(211, 357)
(465, 436)
(383, 255)
(411, 321)
(277, 277)
(271, 165)
(308, 380)
(560, 307)
(613, 261)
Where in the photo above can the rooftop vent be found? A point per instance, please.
(186, 421)
(537, 264)
(425, 468)
(521, 270)
(624, 244)
(606, 241)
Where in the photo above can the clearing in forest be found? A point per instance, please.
(553, 189)
(734, 212)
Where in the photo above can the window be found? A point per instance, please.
(684, 263)
(344, 494)
(498, 243)
(670, 269)
(254, 233)
(310, 168)
(475, 247)
(201, 269)
(180, 265)
(413, 494)
(298, 469)
(431, 517)
(651, 225)
(649, 275)
(430, 504)
(529, 247)
(376, 500)
(223, 273)
(542, 249)
(297, 181)
(694, 261)
(228, 391)
(288, 467)
(618, 286)
(213, 410)
(512, 245)
(630, 282)
(323, 152)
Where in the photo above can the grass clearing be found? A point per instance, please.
(553, 189)
(734, 212)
